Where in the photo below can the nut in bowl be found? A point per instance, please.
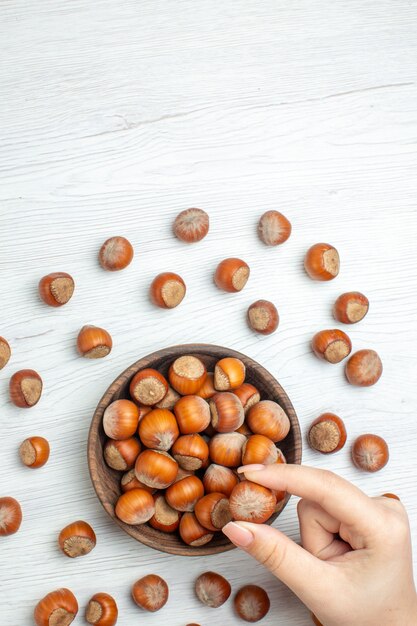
(107, 481)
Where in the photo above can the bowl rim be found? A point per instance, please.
(172, 352)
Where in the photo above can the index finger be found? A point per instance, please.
(334, 494)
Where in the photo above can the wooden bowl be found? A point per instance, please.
(106, 481)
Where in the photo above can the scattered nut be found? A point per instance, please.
(167, 290)
(5, 352)
(331, 345)
(34, 452)
(232, 275)
(58, 608)
(370, 453)
(101, 610)
(77, 539)
(364, 368)
(56, 289)
(212, 589)
(94, 342)
(10, 516)
(115, 254)
(351, 307)
(327, 434)
(25, 388)
(150, 592)
(322, 262)
(191, 225)
(273, 228)
(251, 603)
(263, 317)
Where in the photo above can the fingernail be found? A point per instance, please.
(255, 467)
(240, 536)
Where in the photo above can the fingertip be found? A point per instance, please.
(254, 467)
(238, 534)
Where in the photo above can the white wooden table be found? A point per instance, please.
(114, 117)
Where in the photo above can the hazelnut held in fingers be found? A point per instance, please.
(56, 289)
(25, 388)
(101, 610)
(322, 262)
(167, 290)
(77, 539)
(94, 342)
(58, 608)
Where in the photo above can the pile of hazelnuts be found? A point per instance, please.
(180, 441)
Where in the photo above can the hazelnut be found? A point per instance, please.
(191, 225)
(259, 449)
(218, 478)
(148, 387)
(331, 345)
(248, 395)
(5, 352)
(168, 401)
(273, 228)
(34, 452)
(121, 455)
(25, 388)
(364, 368)
(184, 494)
(156, 469)
(229, 373)
(129, 482)
(58, 608)
(135, 506)
(10, 516)
(226, 449)
(322, 262)
(231, 275)
(101, 610)
(263, 317)
(192, 532)
(250, 502)
(158, 429)
(251, 603)
(115, 254)
(165, 517)
(370, 453)
(212, 589)
(212, 511)
(193, 414)
(167, 290)
(351, 307)
(187, 374)
(207, 389)
(190, 452)
(77, 539)
(227, 412)
(150, 592)
(391, 496)
(56, 289)
(327, 434)
(94, 342)
(120, 419)
(269, 419)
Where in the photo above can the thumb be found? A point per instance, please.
(288, 561)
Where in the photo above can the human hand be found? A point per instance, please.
(355, 566)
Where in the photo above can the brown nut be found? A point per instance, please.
(218, 478)
(25, 388)
(227, 412)
(150, 592)
(115, 254)
(121, 455)
(10, 516)
(156, 469)
(327, 434)
(168, 401)
(212, 589)
(331, 345)
(94, 342)
(370, 453)
(193, 414)
(213, 511)
(129, 482)
(158, 429)
(364, 368)
(101, 610)
(58, 608)
(322, 262)
(251, 603)
(148, 387)
(207, 389)
(231, 275)
(250, 502)
(187, 374)
(56, 289)
(229, 373)
(263, 317)
(226, 449)
(135, 507)
(269, 419)
(120, 419)
(77, 539)
(351, 307)
(184, 494)
(192, 532)
(5, 352)
(273, 228)
(191, 225)
(167, 290)
(259, 449)
(34, 452)
(165, 517)
(190, 451)
(248, 395)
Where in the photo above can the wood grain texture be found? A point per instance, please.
(106, 481)
(117, 115)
